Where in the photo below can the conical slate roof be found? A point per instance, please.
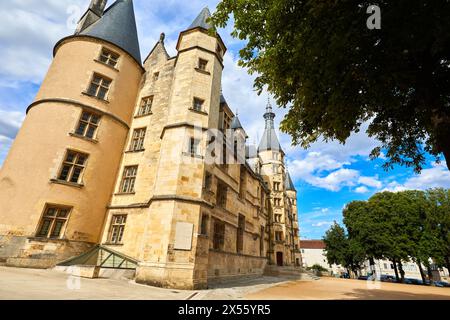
(118, 26)
(236, 124)
(200, 21)
(269, 139)
(288, 184)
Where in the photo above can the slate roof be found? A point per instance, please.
(200, 21)
(288, 184)
(118, 26)
(236, 124)
(269, 139)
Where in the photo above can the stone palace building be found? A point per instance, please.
(121, 164)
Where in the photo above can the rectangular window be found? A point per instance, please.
(278, 218)
(53, 222)
(198, 104)
(261, 241)
(193, 147)
(88, 124)
(242, 183)
(156, 76)
(222, 195)
(73, 167)
(146, 106)
(278, 236)
(202, 64)
(208, 181)
(277, 202)
(219, 235)
(137, 141)
(204, 226)
(240, 234)
(128, 179)
(276, 186)
(109, 57)
(117, 228)
(99, 87)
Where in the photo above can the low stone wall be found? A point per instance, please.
(39, 253)
(223, 266)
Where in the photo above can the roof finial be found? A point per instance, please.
(269, 105)
(162, 37)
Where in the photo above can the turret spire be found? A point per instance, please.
(269, 140)
(201, 20)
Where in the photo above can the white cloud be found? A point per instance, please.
(370, 182)
(362, 189)
(322, 224)
(436, 176)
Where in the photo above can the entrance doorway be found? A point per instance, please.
(280, 259)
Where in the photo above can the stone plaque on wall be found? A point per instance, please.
(183, 236)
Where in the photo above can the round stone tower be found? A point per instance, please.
(57, 180)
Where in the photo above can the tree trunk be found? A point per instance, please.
(430, 275)
(372, 267)
(394, 262)
(447, 263)
(442, 133)
(402, 272)
(422, 273)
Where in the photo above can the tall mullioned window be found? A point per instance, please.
(137, 141)
(128, 179)
(88, 125)
(108, 57)
(99, 87)
(117, 228)
(146, 106)
(219, 235)
(53, 222)
(73, 167)
(222, 190)
(240, 234)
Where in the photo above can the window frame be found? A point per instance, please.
(120, 226)
(219, 235)
(198, 102)
(73, 165)
(88, 124)
(145, 108)
(202, 64)
(53, 220)
(100, 85)
(109, 55)
(130, 179)
(138, 140)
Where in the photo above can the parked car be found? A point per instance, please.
(387, 278)
(442, 284)
(363, 277)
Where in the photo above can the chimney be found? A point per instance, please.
(94, 13)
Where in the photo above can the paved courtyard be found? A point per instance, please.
(31, 284)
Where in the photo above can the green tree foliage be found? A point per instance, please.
(403, 226)
(319, 59)
(343, 251)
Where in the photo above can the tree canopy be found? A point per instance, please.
(319, 59)
(409, 225)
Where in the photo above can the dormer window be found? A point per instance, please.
(108, 57)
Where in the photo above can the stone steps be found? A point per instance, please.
(289, 272)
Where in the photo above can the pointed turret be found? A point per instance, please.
(201, 20)
(118, 26)
(92, 14)
(269, 140)
(288, 184)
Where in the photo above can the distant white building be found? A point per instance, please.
(313, 252)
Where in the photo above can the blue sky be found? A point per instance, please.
(327, 176)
